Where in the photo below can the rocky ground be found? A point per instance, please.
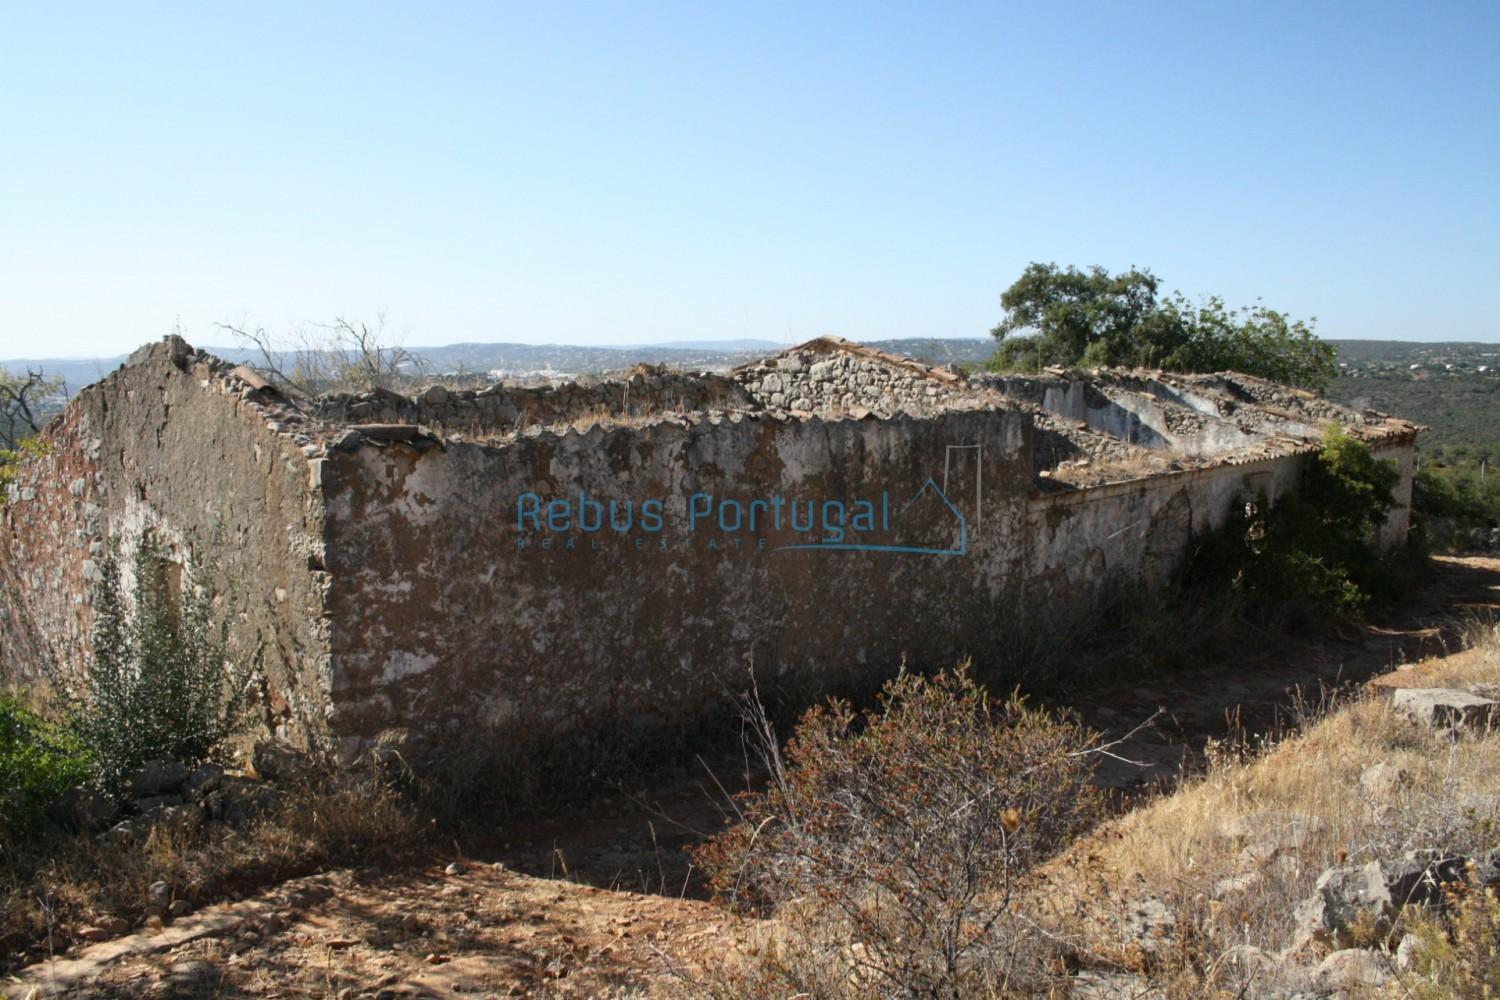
(597, 903)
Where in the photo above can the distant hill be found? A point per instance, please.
(1451, 386)
(1412, 351)
(560, 358)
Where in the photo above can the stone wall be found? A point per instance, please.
(502, 409)
(175, 445)
(445, 610)
(828, 376)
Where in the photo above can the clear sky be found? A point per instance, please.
(639, 173)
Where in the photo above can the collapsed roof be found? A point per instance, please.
(1092, 426)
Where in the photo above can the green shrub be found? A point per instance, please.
(38, 762)
(159, 684)
(1455, 508)
(1312, 553)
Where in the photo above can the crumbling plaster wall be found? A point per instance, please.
(1195, 416)
(1138, 532)
(384, 577)
(174, 445)
(1397, 527)
(441, 615)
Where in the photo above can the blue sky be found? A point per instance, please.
(629, 174)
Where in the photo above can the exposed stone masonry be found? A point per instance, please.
(642, 392)
(374, 553)
(832, 374)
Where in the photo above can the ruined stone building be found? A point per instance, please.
(620, 551)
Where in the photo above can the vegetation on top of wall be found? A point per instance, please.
(1313, 552)
(1057, 316)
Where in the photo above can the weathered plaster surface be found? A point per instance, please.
(641, 627)
(369, 548)
(167, 445)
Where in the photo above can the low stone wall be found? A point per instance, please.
(500, 409)
(819, 378)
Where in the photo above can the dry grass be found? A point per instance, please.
(62, 886)
(1307, 810)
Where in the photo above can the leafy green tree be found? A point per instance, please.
(1057, 316)
(1255, 340)
(159, 684)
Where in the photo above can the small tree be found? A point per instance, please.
(160, 683)
(1065, 316)
(24, 402)
(345, 355)
(38, 762)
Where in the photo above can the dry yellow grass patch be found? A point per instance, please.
(1233, 852)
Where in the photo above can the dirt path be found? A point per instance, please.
(590, 904)
(1264, 687)
(479, 931)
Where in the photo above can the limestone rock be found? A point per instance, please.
(1380, 781)
(1373, 893)
(1341, 897)
(1444, 707)
(1147, 923)
(1417, 879)
(1096, 985)
(1352, 968)
(235, 800)
(276, 760)
(203, 776)
(1270, 832)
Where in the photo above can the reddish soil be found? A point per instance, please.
(592, 903)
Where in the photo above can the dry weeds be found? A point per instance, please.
(1232, 852)
(45, 899)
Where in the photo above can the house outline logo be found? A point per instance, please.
(962, 548)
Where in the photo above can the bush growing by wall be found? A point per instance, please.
(38, 762)
(1313, 552)
(896, 838)
(160, 684)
